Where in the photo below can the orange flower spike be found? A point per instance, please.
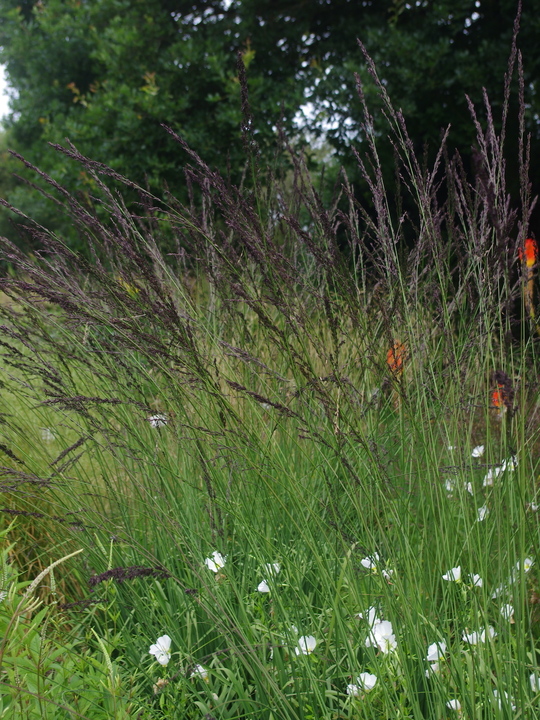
(497, 397)
(395, 358)
(530, 256)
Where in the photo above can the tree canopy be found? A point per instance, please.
(107, 74)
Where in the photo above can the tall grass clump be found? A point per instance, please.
(300, 452)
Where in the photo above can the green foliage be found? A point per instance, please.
(107, 74)
(50, 667)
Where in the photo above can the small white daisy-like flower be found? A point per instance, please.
(478, 451)
(157, 421)
(476, 580)
(306, 645)
(453, 575)
(216, 562)
(161, 649)
(263, 587)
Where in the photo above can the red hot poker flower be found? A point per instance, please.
(530, 256)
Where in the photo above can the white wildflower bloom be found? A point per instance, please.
(353, 690)
(306, 645)
(199, 672)
(482, 513)
(387, 574)
(527, 564)
(478, 451)
(366, 681)
(507, 699)
(370, 562)
(469, 488)
(476, 580)
(433, 668)
(272, 568)
(472, 638)
(161, 649)
(453, 575)
(157, 421)
(534, 507)
(216, 562)
(452, 447)
(534, 680)
(489, 633)
(488, 478)
(263, 587)
(454, 705)
(509, 464)
(436, 652)
(507, 611)
(382, 636)
(498, 591)
(370, 616)
(449, 486)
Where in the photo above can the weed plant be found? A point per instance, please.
(301, 453)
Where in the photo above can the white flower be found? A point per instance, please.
(534, 679)
(527, 564)
(370, 562)
(433, 668)
(478, 451)
(387, 574)
(509, 464)
(482, 513)
(490, 632)
(370, 616)
(476, 580)
(436, 652)
(449, 486)
(272, 568)
(479, 637)
(353, 690)
(162, 649)
(306, 645)
(157, 421)
(366, 681)
(469, 488)
(507, 699)
(454, 705)
(534, 507)
(262, 587)
(199, 672)
(216, 562)
(382, 636)
(507, 611)
(453, 574)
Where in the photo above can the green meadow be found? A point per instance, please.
(287, 472)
